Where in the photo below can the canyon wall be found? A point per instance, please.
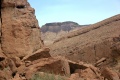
(19, 29)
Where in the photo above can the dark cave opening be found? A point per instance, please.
(0, 7)
(20, 6)
(74, 67)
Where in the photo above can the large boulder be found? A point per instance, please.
(20, 30)
(41, 53)
(110, 74)
(48, 65)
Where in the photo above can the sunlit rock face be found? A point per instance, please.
(20, 33)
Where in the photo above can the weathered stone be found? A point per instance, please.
(20, 29)
(41, 53)
(5, 75)
(99, 62)
(47, 65)
(75, 76)
(110, 74)
(88, 73)
(12, 65)
(17, 61)
(17, 77)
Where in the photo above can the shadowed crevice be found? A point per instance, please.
(20, 6)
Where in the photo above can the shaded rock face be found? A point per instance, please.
(19, 28)
(92, 43)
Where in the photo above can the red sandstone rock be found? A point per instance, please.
(49, 65)
(17, 61)
(75, 76)
(41, 53)
(88, 73)
(20, 29)
(17, 77)
(110, 74)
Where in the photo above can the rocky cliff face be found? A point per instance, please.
(53, 31)
(20, 33)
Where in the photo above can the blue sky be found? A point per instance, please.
(80, 11)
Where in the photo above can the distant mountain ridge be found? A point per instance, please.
(58, 26)
(53, 31)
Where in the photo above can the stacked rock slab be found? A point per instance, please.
(19, 28)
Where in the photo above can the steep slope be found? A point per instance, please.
(19, 29)
(53, 31)
(91, 43)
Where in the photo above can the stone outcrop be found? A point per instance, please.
(41, 53)
(109, 74)
(20, 33)
(19, 36)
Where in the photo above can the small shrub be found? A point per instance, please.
(36, 77)
(46, 76)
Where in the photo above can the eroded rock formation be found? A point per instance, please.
(19, 28)
(19, 35)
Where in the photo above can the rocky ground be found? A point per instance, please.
(90, 53)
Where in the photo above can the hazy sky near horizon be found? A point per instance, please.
(80, 11)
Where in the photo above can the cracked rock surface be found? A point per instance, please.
(19, 28)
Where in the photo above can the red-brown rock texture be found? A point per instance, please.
(22, 54)
(19, 28)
